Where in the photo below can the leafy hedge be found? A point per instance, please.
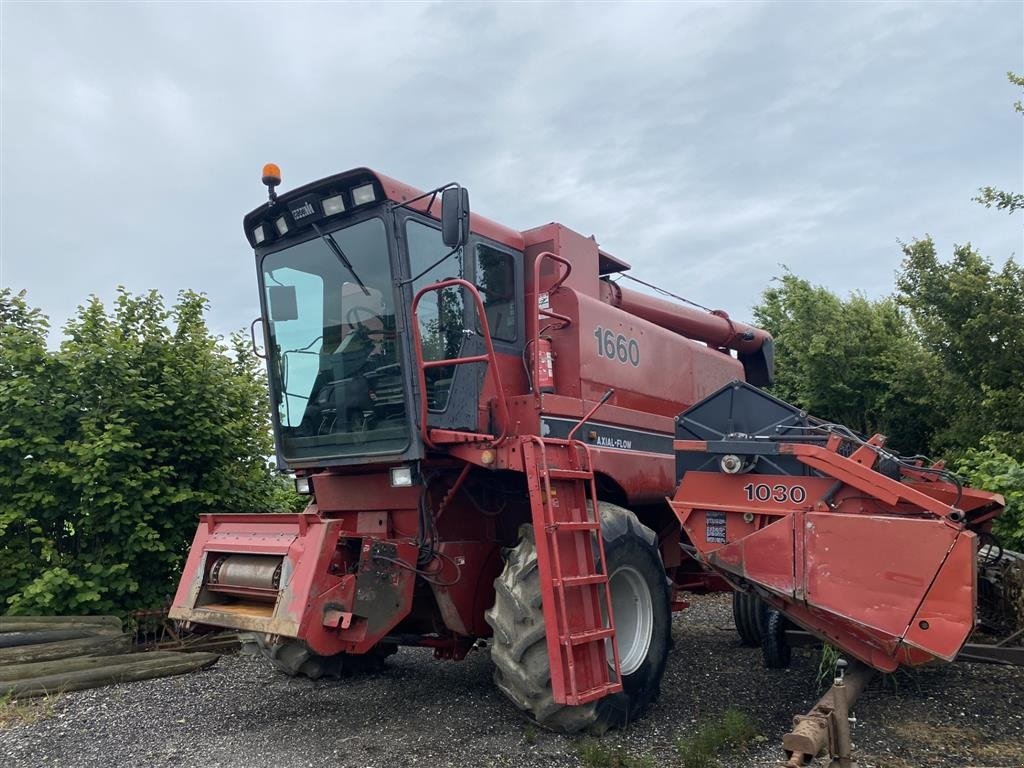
(989, 468)
(111, 445)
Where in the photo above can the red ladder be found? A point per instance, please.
(574, 575)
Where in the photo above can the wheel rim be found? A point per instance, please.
(633, 611)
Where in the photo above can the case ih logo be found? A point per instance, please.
(304, 210)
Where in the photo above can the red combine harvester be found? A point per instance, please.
(489, 426)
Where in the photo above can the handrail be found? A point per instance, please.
(557, 284)
(590, 414)
(564, 319)
(490, 358)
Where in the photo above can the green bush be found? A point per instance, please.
(113, 444)
(993, 470)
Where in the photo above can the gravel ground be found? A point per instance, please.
(422, 712)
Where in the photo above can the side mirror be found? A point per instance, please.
(455, 216)
(283, 304)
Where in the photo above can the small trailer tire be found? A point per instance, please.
(639, 593)
(751, 617)
(775, 648)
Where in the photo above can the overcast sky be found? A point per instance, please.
(704, 143)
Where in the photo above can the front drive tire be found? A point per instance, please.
(640, 604)
(295, 659)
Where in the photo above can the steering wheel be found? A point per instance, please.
(352, 319)
(352, 315)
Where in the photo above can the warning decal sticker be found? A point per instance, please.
(715, 532)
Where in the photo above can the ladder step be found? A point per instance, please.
(570, 474)
(590, 636)
(599, 692)
(582, 581)
(587, 525)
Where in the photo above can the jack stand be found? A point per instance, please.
(842, 749)
(826, 728)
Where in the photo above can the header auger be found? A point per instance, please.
(486, 422)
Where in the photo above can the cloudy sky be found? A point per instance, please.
(704, 143)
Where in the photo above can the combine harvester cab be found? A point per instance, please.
(871, 552)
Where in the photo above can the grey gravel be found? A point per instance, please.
(422, 712)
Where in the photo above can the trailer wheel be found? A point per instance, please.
(776, 650)
(751, 616)
(295, 659)
(640, 604)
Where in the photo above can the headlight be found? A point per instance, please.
(333, 205)
(401, 477)
(364, 194)
(282, 225)
(303, 485)
(259, 234)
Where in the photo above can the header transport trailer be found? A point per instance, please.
(489, 426)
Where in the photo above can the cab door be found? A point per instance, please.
(448, 322)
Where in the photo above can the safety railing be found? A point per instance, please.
(489, 358)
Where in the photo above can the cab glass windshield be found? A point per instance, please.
(335, 373)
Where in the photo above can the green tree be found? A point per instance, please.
(1000, 199)
(853, 361)
(970, 315)
(112, 446)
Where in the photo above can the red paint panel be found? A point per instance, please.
(242, 537)
(358, 493)
(873, 569)
(716, 490)
(580, 371)
(948, 610)
(581, 251)
(645, 477)
(764, 556)
(310, 593)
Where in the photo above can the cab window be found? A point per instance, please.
(494, 275)
(441, 312)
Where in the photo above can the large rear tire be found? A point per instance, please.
(640, 605)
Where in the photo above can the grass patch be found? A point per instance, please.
(530, 734)
(732, 730)
(827, 666)
(902, 673)
(594, 754)
(26, 712)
